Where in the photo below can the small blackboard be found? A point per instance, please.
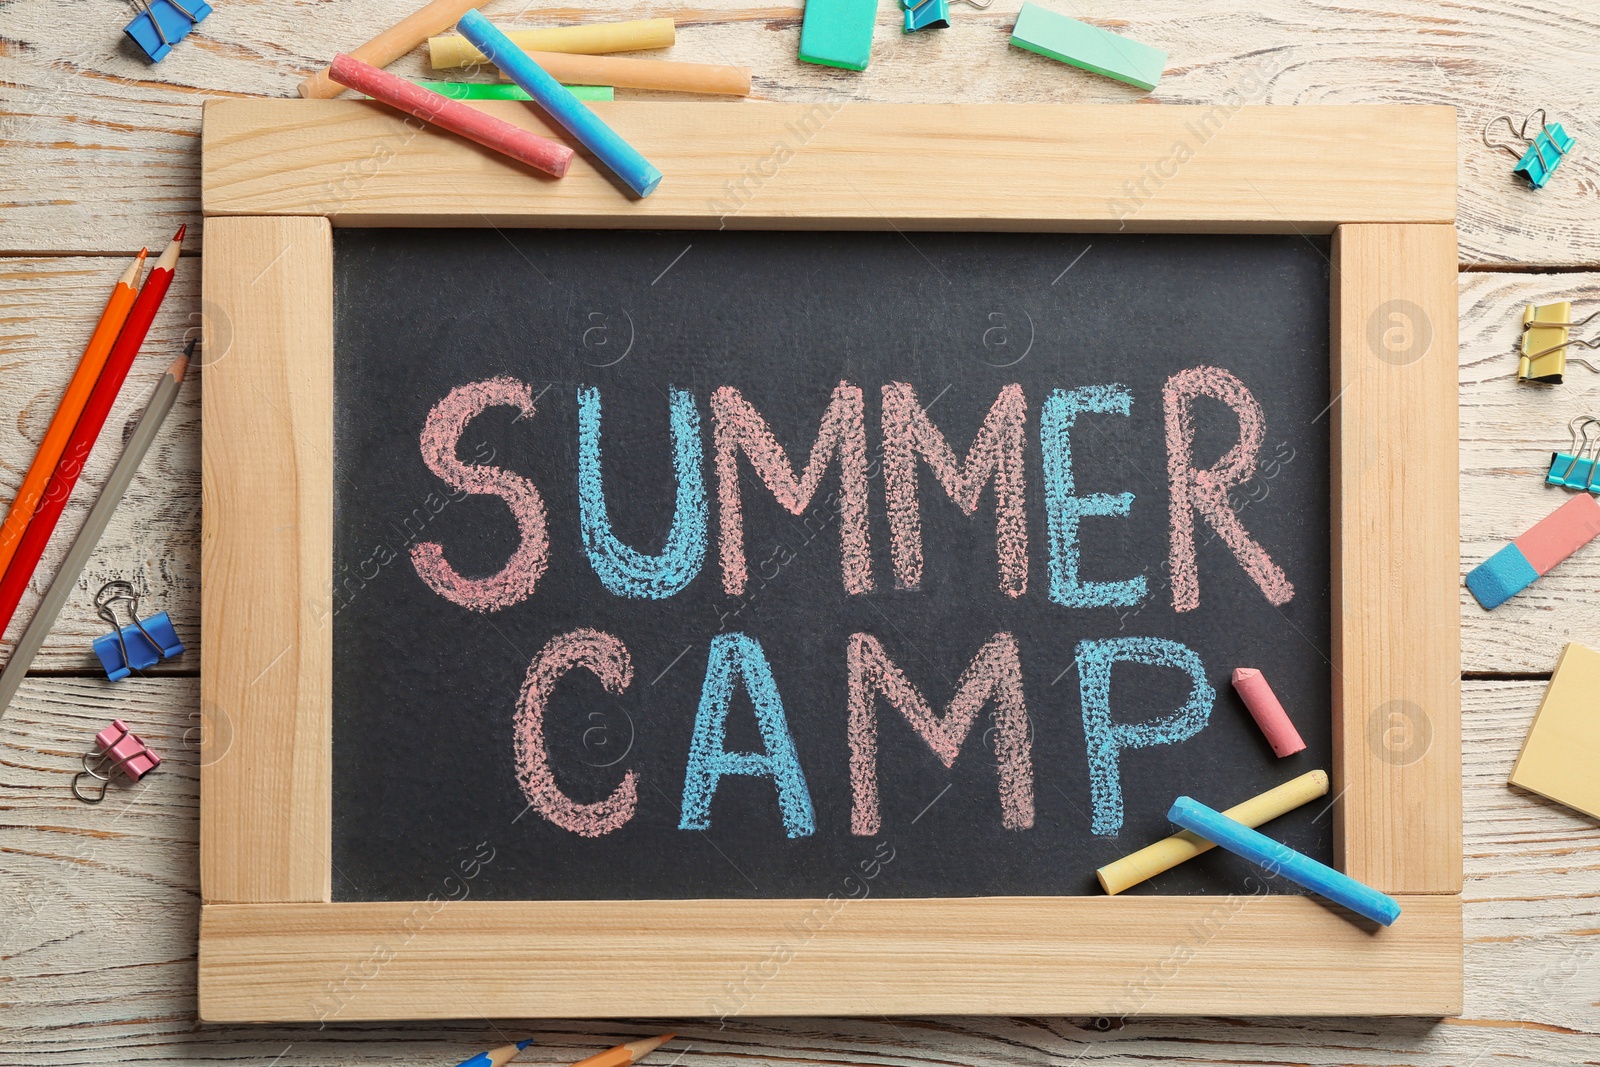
(482, 378)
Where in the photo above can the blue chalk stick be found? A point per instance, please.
(1501, 577)
(1239, 839)
(638, 172)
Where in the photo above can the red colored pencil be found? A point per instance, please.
(81, 443)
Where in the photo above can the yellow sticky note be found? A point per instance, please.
(1563, 747)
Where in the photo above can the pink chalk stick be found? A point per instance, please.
(1267, 712)
(1561, 533)
(497, 134)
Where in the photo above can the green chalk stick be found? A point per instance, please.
(500, 91)
(838, 33)
(1088, 47)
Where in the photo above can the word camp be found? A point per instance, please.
(910, 440)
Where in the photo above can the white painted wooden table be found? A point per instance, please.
(99, 154)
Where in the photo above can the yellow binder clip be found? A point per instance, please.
(1546, 336)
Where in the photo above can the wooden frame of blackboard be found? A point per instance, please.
(278, 174)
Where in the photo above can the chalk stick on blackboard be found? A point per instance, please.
(1268, 713)
(1167, 853)
(1279, 858)
(1551, 540)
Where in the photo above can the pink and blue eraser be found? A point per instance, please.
(175, 22)
(1551, 540)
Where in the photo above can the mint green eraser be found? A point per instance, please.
(1089, 47)
(838, 33)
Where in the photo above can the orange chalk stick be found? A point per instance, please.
(664, 74)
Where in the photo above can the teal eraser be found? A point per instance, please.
(838, 33)
(1088, 47)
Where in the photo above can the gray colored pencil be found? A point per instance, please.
(155, 413)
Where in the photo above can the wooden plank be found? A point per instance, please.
(1396, 624)
(73, 879)
(853, 166)
(106, 148)
(50, 307)
(987, 956)
(266, 546)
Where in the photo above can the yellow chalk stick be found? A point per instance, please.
(453, 50)
(1164, 855)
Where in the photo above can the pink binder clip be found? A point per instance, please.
(120, 750)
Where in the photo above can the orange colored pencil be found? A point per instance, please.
(72, 401)
(622, 1055)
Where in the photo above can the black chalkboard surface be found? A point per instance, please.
(953, 654)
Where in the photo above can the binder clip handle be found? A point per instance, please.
(1520, 133)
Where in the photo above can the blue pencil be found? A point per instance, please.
(638, 172)
(1239, 839)
(496, 1057)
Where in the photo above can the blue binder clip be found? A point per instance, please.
(1542, 153)
(164, 23)
(1577, 469)
(137, 646)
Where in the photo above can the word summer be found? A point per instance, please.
(910, 441)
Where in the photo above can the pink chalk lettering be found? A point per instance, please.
(607, 659)
(440, 434)
(995, 673)
(739, 427)
(1206, 491)
(996, 453)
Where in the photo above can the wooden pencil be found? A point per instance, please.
(85, 433)
(71, 406)
(61, 586)
(622, 1055)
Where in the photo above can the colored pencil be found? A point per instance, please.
(622, 1055)
(61, 586)
(498, 134)
(496, 1057)
(72, 401)
(84, 434)
(391, 44)
(623, 159)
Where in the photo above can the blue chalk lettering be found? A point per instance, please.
(709, 759)
(1064, 509)
(622, 569)
(1106, 739)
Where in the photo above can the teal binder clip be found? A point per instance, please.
(1578, 468)
(1540, 154)
(932, 14)
(928, 15)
